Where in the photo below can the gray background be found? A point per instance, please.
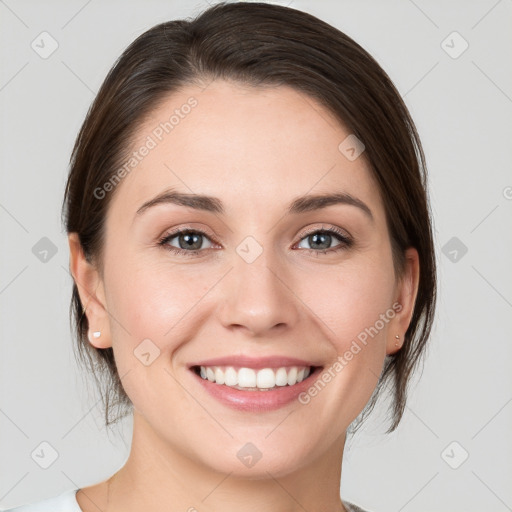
(462, 107)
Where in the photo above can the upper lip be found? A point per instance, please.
(253, 362)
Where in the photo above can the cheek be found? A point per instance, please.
(155, 301)
(352, 298)
(153, 298)
(356, 304)
(153, 312)
(352, 304)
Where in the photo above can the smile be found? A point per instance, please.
(255, 384)
(250, 379)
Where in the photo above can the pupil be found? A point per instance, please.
(192, 241)
(315, 240)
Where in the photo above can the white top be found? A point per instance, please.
(66, 502)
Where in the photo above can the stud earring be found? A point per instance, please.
(95, 334)
(397, 337)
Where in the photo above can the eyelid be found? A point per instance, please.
(342, 232)
(188, 227)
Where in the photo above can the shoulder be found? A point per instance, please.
(65, 502)
(351, 507)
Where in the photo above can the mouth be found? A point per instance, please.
(252, 379)
(255, 385)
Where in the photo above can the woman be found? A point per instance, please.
(251, 247)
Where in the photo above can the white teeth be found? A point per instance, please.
(292, 376)
(230, 377)
(219, 376)
(265, 378)
(248, 378)
(281, 377)
(210, 374)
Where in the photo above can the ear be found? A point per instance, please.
(92, 293)
(405, 299)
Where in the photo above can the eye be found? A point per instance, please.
(185, 241)
(320, 240)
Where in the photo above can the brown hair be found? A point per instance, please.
(257, 44)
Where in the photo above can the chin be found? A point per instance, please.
(256, 459)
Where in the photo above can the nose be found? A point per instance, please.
(258, 298)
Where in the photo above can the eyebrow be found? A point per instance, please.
(211, 204)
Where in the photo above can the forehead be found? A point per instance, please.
(263, 145)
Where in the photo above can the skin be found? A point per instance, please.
(256, 150)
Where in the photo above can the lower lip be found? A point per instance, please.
(257, 401)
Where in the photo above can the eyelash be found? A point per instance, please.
(345, 241)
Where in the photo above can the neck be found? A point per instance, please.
(157, 477)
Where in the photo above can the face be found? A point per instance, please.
(250, 282)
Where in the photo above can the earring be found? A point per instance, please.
(96, 334)
(397, 337)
